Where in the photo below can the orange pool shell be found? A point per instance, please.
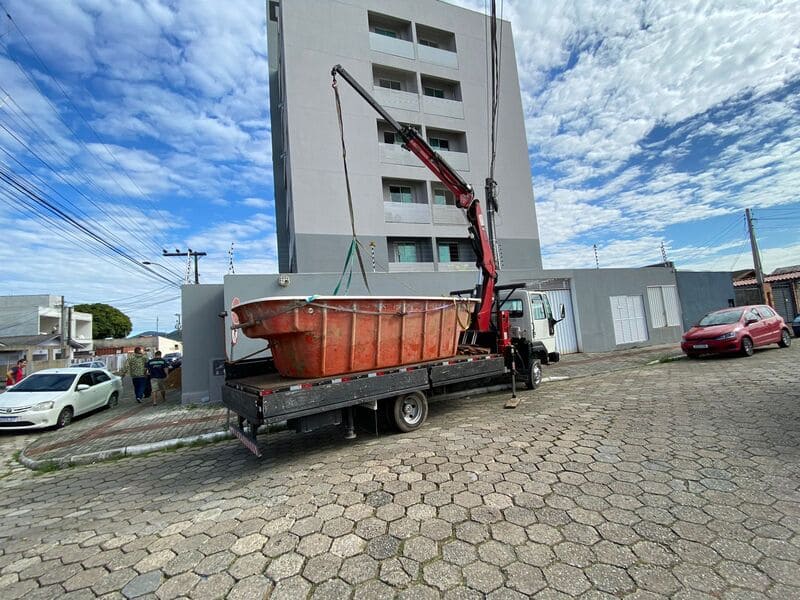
(323, 336)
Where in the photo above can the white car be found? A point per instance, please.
(52, 397)
(94, 364)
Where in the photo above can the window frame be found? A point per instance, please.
(436, 92)
(400, 191)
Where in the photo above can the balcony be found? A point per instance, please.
(438, 56)
(410, 267)
(394, 99)
(443, 107)
(406, 212)
(448, 215)
(394, 154)
(391, 45)
(458, 160)
(457, 266)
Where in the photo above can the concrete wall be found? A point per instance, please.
(701, 292)
(311, 206)
(203, 339)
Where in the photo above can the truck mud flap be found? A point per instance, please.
(248, 441)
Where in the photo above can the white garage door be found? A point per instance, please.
(629, 322)
(566, 340)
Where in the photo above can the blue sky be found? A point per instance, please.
(647, 123)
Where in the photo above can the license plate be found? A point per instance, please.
(8, 419)
(700, 346)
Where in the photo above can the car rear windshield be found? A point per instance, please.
(45, 382)
(721, 318)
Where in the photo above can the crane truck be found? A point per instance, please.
(511, 333)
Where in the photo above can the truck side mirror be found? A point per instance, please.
(563, 313)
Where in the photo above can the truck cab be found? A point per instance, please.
(531, 318)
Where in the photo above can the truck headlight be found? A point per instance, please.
(43, 405)
(731, 335)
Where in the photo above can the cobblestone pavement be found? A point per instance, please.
(674, 480)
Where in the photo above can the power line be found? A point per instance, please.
(80, 114)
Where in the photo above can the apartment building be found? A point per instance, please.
(425, 62)
(42, 314)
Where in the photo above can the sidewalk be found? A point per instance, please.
(131, 429)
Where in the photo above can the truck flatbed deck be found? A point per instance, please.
(260, 396)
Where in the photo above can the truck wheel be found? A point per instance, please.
(410, 411)
(534, 376)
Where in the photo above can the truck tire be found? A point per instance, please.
(534, 375)
(410, 411)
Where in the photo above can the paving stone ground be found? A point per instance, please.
(673, 480)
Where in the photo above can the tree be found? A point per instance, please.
(107, 321)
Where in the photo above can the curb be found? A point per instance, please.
(134, 450)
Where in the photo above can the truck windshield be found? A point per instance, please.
(514, 308)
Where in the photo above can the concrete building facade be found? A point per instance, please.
(425, 62)
(42, 314)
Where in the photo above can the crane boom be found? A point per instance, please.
(464, 195)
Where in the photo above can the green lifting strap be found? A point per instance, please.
(355, 245)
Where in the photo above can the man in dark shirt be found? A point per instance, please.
(157, 370)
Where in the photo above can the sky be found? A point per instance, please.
(129, 127)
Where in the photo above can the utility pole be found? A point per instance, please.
(596, 259)
(190, 252)
(61, 332)
(756, 255)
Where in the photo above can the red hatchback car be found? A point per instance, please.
(738, 329)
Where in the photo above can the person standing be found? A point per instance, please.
(17, 373)
(136, 367)
(157, 370)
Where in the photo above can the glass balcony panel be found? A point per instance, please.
(438, 56)
(448, 215)
(390, 45)
(400, 212)
(458, 160)
(409, 267)
(394, 99)
(443, 107)
(394, 154)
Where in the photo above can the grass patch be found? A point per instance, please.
(48, 466)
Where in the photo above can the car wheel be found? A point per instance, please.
(786, 340)
(410, 411)
(113, 400)
(534, 377)
(747, 347)
(64, 417)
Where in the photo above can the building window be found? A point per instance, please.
(406, 252)
(429, 43)
(433, 92)
(664, 306)
(400, 193)
(390, 84)
(448, 252)
(443, 197)
(439, 143)
(389, 137)
(387, 32)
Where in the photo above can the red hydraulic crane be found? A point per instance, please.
(465, 198)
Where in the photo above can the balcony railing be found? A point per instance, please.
(390, 45)
(457, 160)
(413, 267)
(457, 266)
(394, 154)
(395, 99)
(401, 212)
(448, 215)
(437, 56)
(443, 107)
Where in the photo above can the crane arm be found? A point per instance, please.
(463, 192)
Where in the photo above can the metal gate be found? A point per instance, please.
(566, 339)
(784, 302)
